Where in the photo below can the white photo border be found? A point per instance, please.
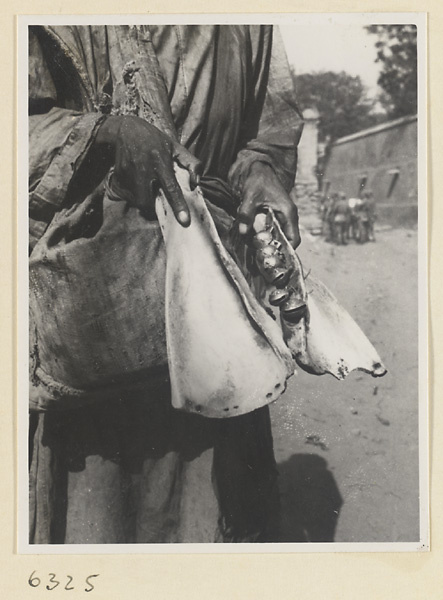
(22, 521)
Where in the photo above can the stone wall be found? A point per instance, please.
(383, 159)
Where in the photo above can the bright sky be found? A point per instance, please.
(332, 47)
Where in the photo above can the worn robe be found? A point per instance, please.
(131, 470)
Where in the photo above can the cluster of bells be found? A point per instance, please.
(272, 264)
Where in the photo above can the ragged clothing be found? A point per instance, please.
(131, 470)
(229, 87)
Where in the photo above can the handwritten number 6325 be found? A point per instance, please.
(35, 581)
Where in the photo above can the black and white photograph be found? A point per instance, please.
(222, 260)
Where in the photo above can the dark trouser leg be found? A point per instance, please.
(246, 478)
(133, 471)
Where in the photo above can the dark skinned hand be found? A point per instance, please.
(143, 163)
(262, 189)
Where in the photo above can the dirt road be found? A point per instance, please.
(348, 451)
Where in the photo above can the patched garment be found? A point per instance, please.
(131, 470)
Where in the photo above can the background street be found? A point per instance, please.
(348, 451)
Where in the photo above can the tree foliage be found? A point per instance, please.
(397, 51)
(341, 100)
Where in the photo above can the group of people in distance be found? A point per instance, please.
(348, 218)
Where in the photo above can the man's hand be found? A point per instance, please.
(263, 189)
(143, 163)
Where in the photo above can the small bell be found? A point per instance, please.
(270, 262)
(293, 309)
(262, 222)
(267, 251)
(277, 297)
(263, 238)
(278, 276)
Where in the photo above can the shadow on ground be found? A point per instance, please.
(310, 500)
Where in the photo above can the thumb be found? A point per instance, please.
(189, 162)
(246, 213)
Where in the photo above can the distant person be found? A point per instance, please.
(341, 217)
(365, 217)
(353, 203)
(327, 216)
(371, 211)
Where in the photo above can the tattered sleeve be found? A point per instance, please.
(58, 140)
(273, 125)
